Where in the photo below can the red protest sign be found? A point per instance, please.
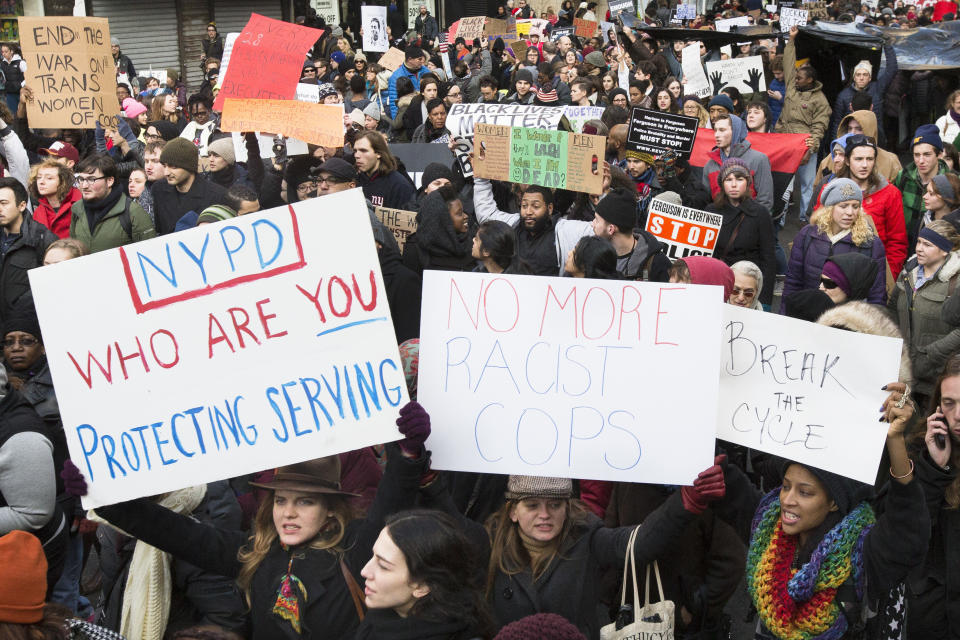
(267, 60)
(584, 28)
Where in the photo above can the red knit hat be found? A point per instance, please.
(23, 578)
(543, 626)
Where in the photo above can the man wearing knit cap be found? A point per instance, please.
(913, 179)
(23, 579)
(597, 64)
(523, 94)
(222, 167)
(371, 116)
(216, 213)
(640, 255)
(435, 175)
(182, 190)
(720, 105)
(730, 138)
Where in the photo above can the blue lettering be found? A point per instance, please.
(160, 443)
(124, 437)
(463, 361)
(226, 247)
(83, 446)
(383, 385)
(629, 433)
(292, 409)
(172, 278)
(176, 436)
(143, 441)
(496, 348)
(313, 397)
(109, 450)
(367, 387)
(243, 429)
(574, 436)
(198, 261)
(273, 391)
(256, 239)
(337, 397)
(556, 436)
(196, 426)
(476, 432)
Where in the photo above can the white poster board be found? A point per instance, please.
(569, 377)
(696, 80)
(222, 350)
(724, 24)
(805, 392)
(227, 52)
(374, 20)
(578, 115)
(329, 10)
(790, 17)
(738, 72)
(685, 231)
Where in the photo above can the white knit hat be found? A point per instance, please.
(864, 64)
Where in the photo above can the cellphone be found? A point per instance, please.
(940, 441)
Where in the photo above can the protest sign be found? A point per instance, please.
(413, 10)
(584, 28)
(329, 10)
(524, 27)
(519, 49)
(417, 157)
(816, 10)
(609, 32)
(569, 377)
(71, 71)
(619, 6)
(559, 32)
(159, 74)
(805, 392)
(693, 73)
(504, 29)
(685, 231)
(792, 18)
(266, 142)
(471, 27)
(771, 8)
(724, 24)
(744, 74)
(555, 159)
(233, 347)
(392, 59)
(308, 92)
(401, 223)
(686, 11)
(657, 131)
(577, 115)
(463, 116)
(267, 60)
(228, 42)
(320, 124)
(374, 19)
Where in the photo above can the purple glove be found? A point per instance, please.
(73, 481)
(414, 424)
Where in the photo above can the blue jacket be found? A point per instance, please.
(401, 71)
(776, 106)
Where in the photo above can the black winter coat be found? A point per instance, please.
(392, 190)
(24, 254)
(403, 294)
(169, 205)
(384, 624)
(329, 613)
(754, 241)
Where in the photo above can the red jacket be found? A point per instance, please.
(57, 221)
(942, 8)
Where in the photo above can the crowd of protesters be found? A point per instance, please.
(374, 544)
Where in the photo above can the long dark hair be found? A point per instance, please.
(596, 257)
(439, 556)
(950, 369)
(500, 241)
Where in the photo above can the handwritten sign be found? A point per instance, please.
(584, 28)
(374, 28)
(685, 231)
(816, 10)
(790, 17)
(554, 159)
(739, 73)
(392, 59)
(686, 11)
(471, 27)
(71, 71)
(519, 49)
(539, 376)
(495, 28)
(656, 131)
(321, 124)
(724, 24)
(524, 27)
(577, 116)
(233, 347)
(463, 117)
(693, 73)
(266, 61)
(805, 392)
(401, 223)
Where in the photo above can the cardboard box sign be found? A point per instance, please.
(505, 29)
(554, 159)
(401, 223)
(685, 231)
(584, 28)
(470, 28)
(655, 132)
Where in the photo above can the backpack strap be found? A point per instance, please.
(125, 222)
(356, 593)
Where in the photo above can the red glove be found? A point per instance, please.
(708, 486)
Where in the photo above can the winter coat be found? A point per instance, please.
(776, 106)
(229, 176)
(124, 65)
(547, 252)
(426, 133)
(570, 586)
(877, 90)
(403, 294)
(803, 111)
(108, 232)
(647, 261)
(392, 190)
(213, 48)
(13, 73)
(169, 204)
(888, 164)
(929, 318)
(810, 251)
(912, 190)
(754, 240)
(758, 164)
(56, 220)
(426, 27)
(329, 611)
(24, 254)
(435, 244)
(385, 624)
(414, 76)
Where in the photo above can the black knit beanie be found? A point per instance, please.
(181, 153)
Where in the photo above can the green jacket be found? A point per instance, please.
(109, 232)
(908, 181)
(931, 325)
(803, 111)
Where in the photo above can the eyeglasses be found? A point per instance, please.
(746, 293)
(24, 342)
(309, 70)
(827, 283)
(306, 187)
(330, 180)
(152, 136)
(88, 179)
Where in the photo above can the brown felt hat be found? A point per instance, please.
(321, 475)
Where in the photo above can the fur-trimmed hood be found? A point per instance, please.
(863, 317)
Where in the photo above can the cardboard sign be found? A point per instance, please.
(792, 18)
(232, 347)
(321, 124)
(504, 29)
(519, 49)
(463, 116)
(577, 116)
(567, 377)
(816, 10)
(471, 27)
(805, 392)
(584, 28)
(401, 223)
(71, 71)
(656, 131)
(554, 159)
(374, 20)
(559, 32)
(619, 6)
(392, 59)
(685, 231)
(266, 61)
(693, 73)
(738, 73)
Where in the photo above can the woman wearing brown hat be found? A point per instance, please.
(299, 567)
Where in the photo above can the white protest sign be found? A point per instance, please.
(771, 8)
(569, 377)
(685, 231)
(724, 24)
(790, 17)
(227, 52)
(329, 10)
(308, 92)
(578, 115)
(463, 117)
(374, 20)
(804, 391)
(222, 350)
(159, 74)
(739, 73)
(696, 80)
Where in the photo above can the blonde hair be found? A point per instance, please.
(947, 230)
(860, 232)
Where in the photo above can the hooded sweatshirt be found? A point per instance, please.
(888, 165)
(704, 270)
(758, 164)
(436, 244)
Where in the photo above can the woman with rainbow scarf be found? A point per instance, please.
(825, 556)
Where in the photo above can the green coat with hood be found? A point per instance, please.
(108, 232)
(803, 111)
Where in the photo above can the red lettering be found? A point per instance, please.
(346, 292)
(264, 317)
(211, 340)
(88, 377)
(623, 310)
(516, 305)
(241, 327)
(663, 313)
(583, 313)
(176, 349)
(373, 292)
(315, 299)
(562, 305)
(138, 354)
(475, 318)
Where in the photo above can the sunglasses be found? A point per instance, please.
(827, 283)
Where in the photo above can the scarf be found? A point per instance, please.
(955, 116)
(97, 209)
(291, 596)
(146, 596)
(801, 604)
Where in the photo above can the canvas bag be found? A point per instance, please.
(639, 629)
